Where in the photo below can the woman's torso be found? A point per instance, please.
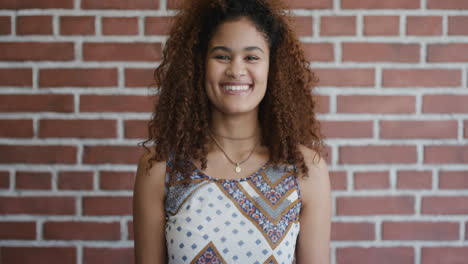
(254, 219)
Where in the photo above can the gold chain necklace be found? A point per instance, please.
(237, 164)
(231, 138)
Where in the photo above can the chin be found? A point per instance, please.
(238, 111)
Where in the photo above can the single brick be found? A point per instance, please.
(136, 51)
(77, 25)
(356, 77)
(458, 25)
(352, 231)
(323, 103)
(19, 77)
(45, 254)
(380, 52)
(30, 180)
(378, 4)
(375, 254)
(106, 205)
(338, 180)
(78, 77)
(453, 52)
(139, 77)
(120, 4)
(381, 25)
(447, 4)
(307, 4)
(417, 129)
(371, 180)
(318, 51)
(38, 154)
(34, 25)
(372, 205)
(16, 128)
(17, 230)
(303, 25)
(136, 128)
(457, 154)
(444, 205)
(375, 154)
(62, 103)
(75, 230)
(441, 103)
(453, 180)
(377, 104)
(347, 129)
(4, 180)
(120, 26)
(32, 4)
(111, 154)
(421, 78)
(109, 255)
(37, 205)
(5, 25)
(419, 230)
(117, 180)
(130, 230)
(77, 128)
(465, 125)
(158, 25)
(424, 25)
(35, 51)
(116, 103)
(414, 179)
(75, 180)
(444, 254)
(338, 26)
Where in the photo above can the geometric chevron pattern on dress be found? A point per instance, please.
(254, 219)
(258, 204)
(209, 254)
(271, 260)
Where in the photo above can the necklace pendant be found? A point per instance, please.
(238, 168)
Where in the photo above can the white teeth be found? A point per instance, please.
(236, 87)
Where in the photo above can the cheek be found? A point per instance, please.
(213, 71)
(261, 73)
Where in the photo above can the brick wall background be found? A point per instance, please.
(393, 101)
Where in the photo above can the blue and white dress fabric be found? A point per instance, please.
(248, 220)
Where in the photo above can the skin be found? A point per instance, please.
(237, 53)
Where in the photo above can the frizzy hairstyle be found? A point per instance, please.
(180, 122)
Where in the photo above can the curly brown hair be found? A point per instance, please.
(181, 118)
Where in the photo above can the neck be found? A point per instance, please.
(236, 134)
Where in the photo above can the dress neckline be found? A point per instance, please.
(200, 172)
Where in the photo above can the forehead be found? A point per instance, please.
(238, 34)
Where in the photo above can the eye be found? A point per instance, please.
(252, 58)
(221, 57)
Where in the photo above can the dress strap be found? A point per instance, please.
(169, 167)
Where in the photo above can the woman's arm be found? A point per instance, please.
(313, 245)
(148, 213)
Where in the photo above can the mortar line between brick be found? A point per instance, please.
(163, 4)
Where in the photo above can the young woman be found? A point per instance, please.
(236, 173)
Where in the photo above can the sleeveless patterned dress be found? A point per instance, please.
(251, 220)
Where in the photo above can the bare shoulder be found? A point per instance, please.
(155, 168)
(150, 177)
(313, 160)
(148, 211)
(317, 180)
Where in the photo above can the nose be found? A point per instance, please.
(236, 69)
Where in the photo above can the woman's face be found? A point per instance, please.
(237, 65)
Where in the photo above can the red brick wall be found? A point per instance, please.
(393, 103)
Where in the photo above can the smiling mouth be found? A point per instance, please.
(243, 87)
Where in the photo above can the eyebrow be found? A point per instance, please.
(229, 50)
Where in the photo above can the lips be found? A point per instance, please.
(236, 88)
